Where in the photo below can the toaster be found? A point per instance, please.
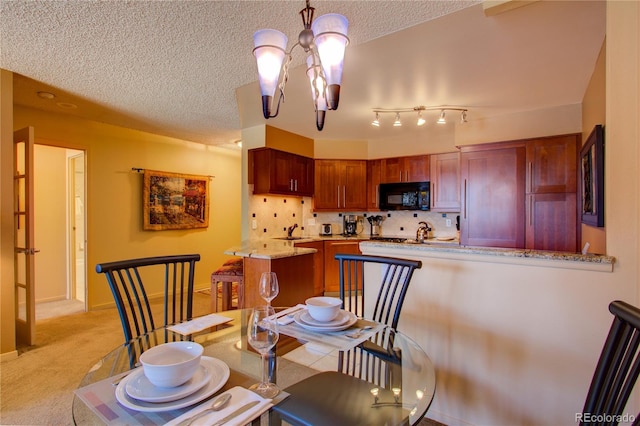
(326, 229)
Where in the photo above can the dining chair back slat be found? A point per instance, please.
(126, 280)
(365, 361)
(617, 370)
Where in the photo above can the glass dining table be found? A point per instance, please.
(303, 365)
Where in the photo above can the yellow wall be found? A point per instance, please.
(114, 200)
(594, 112)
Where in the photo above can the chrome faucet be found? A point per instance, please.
(290, 229)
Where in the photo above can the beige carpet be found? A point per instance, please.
(37, 387)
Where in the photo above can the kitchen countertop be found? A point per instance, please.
(275, 248)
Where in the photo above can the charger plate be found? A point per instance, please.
(300, 320)
(219, 375)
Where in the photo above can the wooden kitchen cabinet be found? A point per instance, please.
(493, 196)
(373, 184)
(552, 189)
(332, 266)
(405, 169)
(340, 185)
(445, 182)
(279, 172)
(318, 265)
(552, 221)
(552, 164)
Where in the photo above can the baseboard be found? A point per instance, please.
(8, 356)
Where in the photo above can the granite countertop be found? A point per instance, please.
(498, 252)
(275, 248)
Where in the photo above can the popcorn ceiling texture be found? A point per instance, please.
(273, 215)
(173, 65)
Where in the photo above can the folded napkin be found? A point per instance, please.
(239, 397)
(199, 324)
(286, 317)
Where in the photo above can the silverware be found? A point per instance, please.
(217, 405)
(359, 332)
(236, 413)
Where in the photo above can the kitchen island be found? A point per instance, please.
(293, 266)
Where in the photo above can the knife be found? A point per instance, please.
(236, 413)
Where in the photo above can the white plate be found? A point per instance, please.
(342, 318)
(139, 387)
(352, 320)
(219, 375)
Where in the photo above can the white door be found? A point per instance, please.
(24, 257)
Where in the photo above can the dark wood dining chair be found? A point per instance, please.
(126, 279)
(617, 369)
(395, 277)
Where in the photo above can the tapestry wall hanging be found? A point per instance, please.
(175, 201)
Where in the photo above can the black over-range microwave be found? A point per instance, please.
(404, 196)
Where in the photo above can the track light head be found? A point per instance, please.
(442, 120)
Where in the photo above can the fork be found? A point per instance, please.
(358, 332)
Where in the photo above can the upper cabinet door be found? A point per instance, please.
(445, 182)
(340, 185)
(552, 164)
(405, 169)
(492, 213)
(280, 172)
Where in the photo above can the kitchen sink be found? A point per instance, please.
(288, 238)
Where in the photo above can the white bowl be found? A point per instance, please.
(323, 308)
(171, 364)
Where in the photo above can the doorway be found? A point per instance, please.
(60, 219)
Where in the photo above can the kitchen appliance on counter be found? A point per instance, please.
(404, 196)
(375, 222)
(326, 229)
(350, 227)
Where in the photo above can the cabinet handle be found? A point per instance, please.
(530, 176)
(377, 195)
(296, 185)
(465, 199)
(290, 184)
(338, 188)
(344, 196)
(530, 210)
(400, 175)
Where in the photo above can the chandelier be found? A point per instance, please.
(324, 41)
(418, 109)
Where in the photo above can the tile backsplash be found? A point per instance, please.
(272, 216)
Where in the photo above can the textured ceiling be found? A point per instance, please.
(185, 68)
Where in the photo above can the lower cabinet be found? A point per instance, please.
(318, 265)
(331, 265)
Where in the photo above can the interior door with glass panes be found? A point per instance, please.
(24, 239)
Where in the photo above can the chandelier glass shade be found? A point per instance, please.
(324, 41)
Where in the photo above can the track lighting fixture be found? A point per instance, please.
(419, 109)
(376, 122)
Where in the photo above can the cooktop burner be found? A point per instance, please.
(389, 239)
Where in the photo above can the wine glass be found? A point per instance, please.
(262, 335)
(269, 286)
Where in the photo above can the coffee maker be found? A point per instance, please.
(350, 225)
